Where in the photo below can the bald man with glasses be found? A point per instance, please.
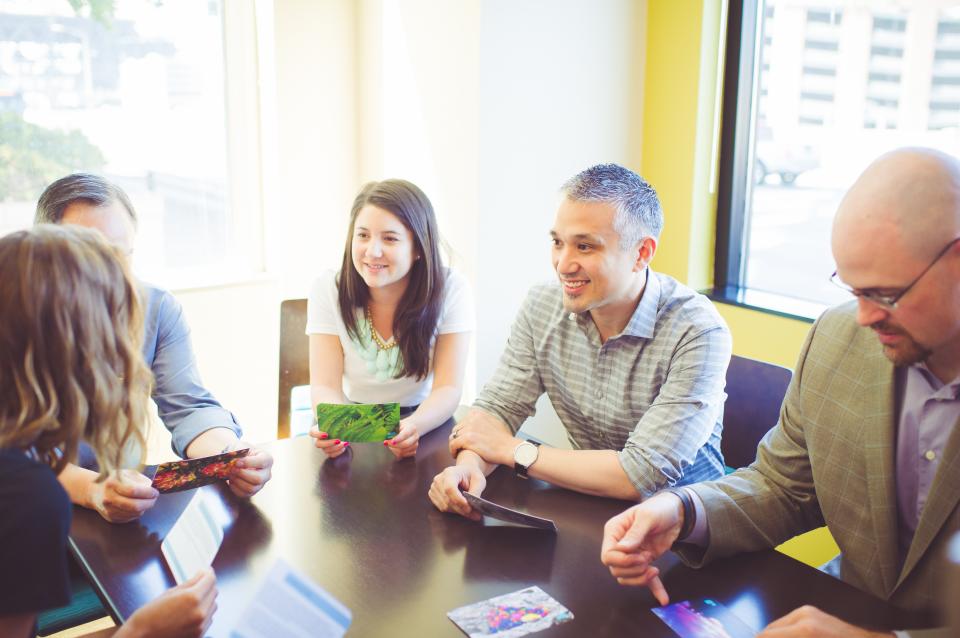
(868, 440)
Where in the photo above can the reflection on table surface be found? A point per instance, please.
(363, 528)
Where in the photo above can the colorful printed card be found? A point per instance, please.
(359, 422)
(705, 618)
(186, 475)
(514, 517)
(511, 615)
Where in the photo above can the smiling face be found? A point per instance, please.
(382, 248)
(595, 272)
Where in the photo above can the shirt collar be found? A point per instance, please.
(644, 318)
(936, 386)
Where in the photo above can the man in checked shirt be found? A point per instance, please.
(633, 361)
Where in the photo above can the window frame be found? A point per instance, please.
(740, 76)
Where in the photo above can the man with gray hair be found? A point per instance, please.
(633, 361)
(199, 425)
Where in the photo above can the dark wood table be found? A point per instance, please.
(363, 528)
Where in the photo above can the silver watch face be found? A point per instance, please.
(525, 454)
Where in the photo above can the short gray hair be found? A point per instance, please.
(79, 187)
(638, 211)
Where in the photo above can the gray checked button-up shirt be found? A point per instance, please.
(654, 392)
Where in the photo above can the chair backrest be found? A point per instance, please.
(294, 358)
(755, 391)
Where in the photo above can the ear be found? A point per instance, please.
(645, 249)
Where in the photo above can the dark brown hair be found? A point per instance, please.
(70, 332)
(417, 315)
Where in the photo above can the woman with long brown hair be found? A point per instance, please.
(393, 325)
(70, 369)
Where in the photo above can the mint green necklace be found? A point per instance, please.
(383, 359)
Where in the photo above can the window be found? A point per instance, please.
(135, 90)
(812, 94)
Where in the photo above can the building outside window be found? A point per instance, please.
(833, 85)
(134, 90)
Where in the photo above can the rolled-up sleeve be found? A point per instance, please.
(666, 441)
(185, 406)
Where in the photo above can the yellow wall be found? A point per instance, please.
(680, 129)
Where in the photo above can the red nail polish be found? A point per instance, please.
(346, 443)
(392, 442)
(324, 435)
(336, 441)
(386, 443)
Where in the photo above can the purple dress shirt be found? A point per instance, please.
(929, 409)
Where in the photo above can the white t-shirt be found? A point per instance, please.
(359, 384)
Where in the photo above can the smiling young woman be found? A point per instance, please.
(393, 325)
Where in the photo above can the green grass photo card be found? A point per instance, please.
(360, 422)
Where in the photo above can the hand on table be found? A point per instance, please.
(445, 489)
(251, 472)
(331, 447)
(184, 611)
(407, 440)
(123, 497)
(489, 440)
(635, 538)
(809, 621)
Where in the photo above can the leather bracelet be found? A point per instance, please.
(689, 511)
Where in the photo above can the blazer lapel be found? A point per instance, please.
(941, 501)
(879, 442)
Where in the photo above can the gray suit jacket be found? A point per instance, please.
(830, 459)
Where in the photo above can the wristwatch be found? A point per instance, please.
(525, 455)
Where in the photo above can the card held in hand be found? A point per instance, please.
(359, 422)
(515, 614)
(501, 513)
(190, 473)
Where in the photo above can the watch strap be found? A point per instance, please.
(689, 511)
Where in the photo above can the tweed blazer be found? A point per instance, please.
(831, 459)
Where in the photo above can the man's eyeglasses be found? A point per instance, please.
(889, 301)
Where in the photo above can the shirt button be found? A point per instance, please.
(930, 455)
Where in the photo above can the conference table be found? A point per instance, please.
(361, 526)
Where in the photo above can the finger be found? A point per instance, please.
(122, 506)
(253, 477)
(198, 580)
(477, 483)
(325, 443)
(256, 461)
(402, 435)
(634, 536)
(132, 490)
(243, 488)
(318, 434)
(789, 619)
(637, 580)
(658, 590)
(335, 450)
(614, 558)
(456, 445)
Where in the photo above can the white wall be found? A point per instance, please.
(488, 105)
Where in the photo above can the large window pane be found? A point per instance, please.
(135, 93)
(836, 84)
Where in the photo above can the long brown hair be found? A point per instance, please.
(417, 315)
(70, 332)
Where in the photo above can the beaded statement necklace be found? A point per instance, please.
(383, 359)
